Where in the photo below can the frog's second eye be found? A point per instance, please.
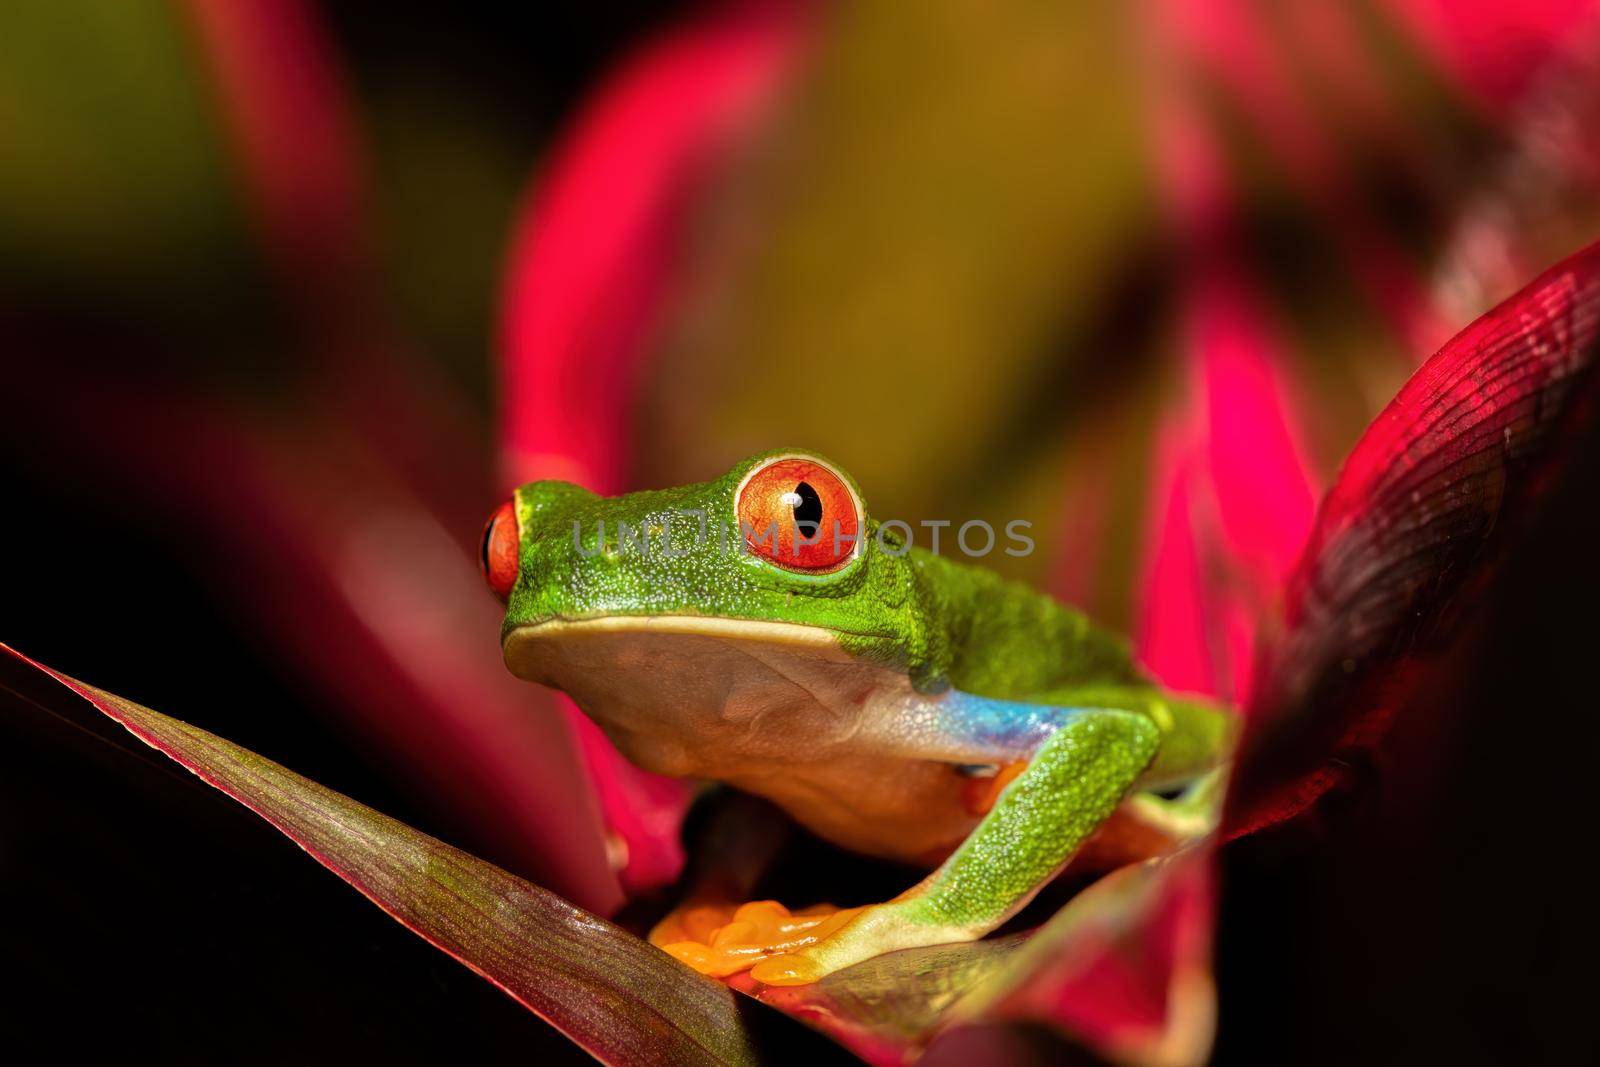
(799, 514)
(498, 557)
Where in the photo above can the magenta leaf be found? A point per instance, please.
(620, 999)
(290, 124)
(1496, 50)
(591, 259)
(589, 268)
(1439, 487)
(1124, 969)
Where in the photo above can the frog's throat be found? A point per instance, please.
(673, 691)
(626, 645)
(746, 699)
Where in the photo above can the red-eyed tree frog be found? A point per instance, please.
(761, 630)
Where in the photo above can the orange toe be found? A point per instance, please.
(722, 940)
(786, 970)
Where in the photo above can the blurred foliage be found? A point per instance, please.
(457, 109)
(950, 196)
(948, 262)
(116, 192)
(951, 266)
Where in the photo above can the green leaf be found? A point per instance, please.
(886, 1009)
(620, 999)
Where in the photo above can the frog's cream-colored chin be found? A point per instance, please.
(776, 709)
(532, 651)
(679, 693)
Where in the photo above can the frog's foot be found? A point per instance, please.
(724, 939)
(870, 931)
(1073, 783)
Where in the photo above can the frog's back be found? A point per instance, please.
(1012, 642)
(1009, 642)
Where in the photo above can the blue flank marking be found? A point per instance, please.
(1008, 727)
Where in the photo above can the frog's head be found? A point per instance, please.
(718, 593)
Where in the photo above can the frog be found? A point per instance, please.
(762, 631)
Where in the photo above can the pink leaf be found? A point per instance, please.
(1124, 968)
(588, 274)
(592, 254)
(285, 108)
(1427, 502)
(1494, 49)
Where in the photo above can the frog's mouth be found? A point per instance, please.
(666, 645)
(700, 679)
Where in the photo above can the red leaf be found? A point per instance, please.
(593, 251)
(1231, 498)
(589, 270)
(280, 92)
(1425, 505)
(1494, 49)
(1243, 52)
(1124, 969)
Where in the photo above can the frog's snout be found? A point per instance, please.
(498, 557)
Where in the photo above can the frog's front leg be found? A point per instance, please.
(1073, 782)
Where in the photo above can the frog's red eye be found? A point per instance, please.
(498, 557)
(799, 514)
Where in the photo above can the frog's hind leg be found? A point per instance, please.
(1074, 781)
(1192, 813)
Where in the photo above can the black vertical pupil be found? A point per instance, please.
(483, 550)
(807, 513)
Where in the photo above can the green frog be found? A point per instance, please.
(763, 631)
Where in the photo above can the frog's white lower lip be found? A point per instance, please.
(788, 632)
(525, 647)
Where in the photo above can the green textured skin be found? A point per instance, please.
(942, 622)
(1072, 785)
